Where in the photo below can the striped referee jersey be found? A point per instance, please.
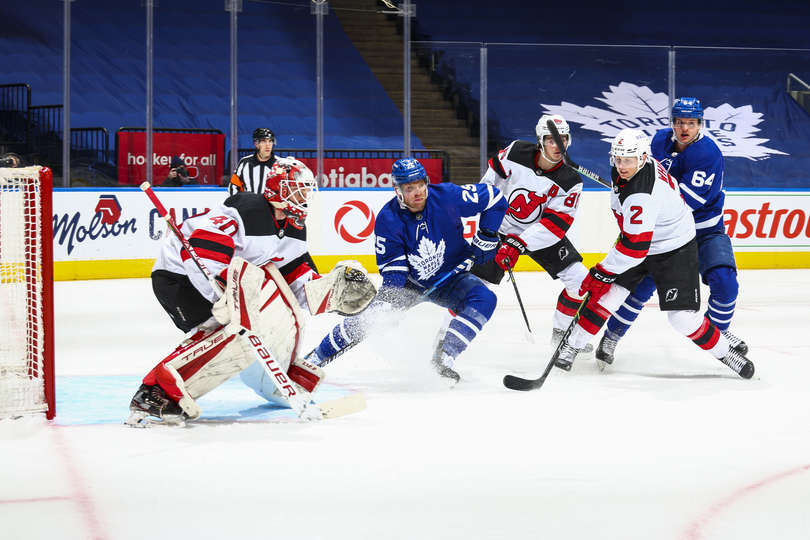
(250, 174)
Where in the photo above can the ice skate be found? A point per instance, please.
(443, 363)
(736, 343)
(565, 360)
(737, 361)
(605, 350)
(150, 405)
(556, 336)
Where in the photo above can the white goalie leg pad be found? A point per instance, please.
(200, 365)
(260, 300)
(345, 290)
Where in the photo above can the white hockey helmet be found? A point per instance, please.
(542, 131)
(630, 143)
(288, 186)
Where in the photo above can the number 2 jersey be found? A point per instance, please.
(243, 225)
(652, 216)
(542, 204)
(699, 170)
(420, 247)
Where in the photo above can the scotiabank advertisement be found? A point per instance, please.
(366, 172)
(202, 153)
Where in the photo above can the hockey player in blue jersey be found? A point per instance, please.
(419, 240)
(697, 163)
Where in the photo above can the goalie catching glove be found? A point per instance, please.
(345, 290)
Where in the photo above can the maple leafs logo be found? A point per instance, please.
(638, 107)
(428, 258)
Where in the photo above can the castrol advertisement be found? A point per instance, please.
(111, 228)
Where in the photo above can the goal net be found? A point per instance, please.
(26, 292)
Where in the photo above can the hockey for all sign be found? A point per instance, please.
(202, 153)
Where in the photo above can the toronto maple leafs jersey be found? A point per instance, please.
(420, 247)
(243, 225)
(652, 216)
(699, 171)
(542, 204)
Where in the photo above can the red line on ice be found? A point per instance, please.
(696, 528)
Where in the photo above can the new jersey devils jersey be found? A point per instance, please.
(243, 225)
(652, 216)
(542, 204)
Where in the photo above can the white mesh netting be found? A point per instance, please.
(22, 372)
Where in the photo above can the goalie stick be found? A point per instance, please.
(570, 162)
(298, 402)
(519, 383)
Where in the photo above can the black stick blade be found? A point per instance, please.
(519, 383)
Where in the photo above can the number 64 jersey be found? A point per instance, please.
(652, 216)
(542, 204)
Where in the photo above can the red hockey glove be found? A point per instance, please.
(597, 281)
(511, 248)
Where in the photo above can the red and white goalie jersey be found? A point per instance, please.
(542, 204)
(243, 225)
(652, 216)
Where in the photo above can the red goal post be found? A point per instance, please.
(26, 292)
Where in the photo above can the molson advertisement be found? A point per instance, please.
(116, 233)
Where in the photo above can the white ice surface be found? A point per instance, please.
(669, 445)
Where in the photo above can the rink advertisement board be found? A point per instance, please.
(203, 154)
(117, 233)
(366, 172)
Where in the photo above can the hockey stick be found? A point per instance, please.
(519, 383)
(530, 336)
(462, 267)
(570, 162)
(298, 402)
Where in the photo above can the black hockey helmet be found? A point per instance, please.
(264, 133)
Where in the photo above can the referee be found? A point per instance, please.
(252, 170)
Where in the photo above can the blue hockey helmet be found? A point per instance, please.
(687, 107)
(407, 170)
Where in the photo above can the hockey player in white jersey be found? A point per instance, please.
(543, 197)
(657, 239)
(257, 245)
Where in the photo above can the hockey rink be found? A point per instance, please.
(668, 445)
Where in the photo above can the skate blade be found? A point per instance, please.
(141, 419)
(602, 365)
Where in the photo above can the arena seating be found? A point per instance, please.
(191, 70)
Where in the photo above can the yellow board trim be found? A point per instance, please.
(141, 268)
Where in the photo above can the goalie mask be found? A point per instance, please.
(542, 132)
(288, 186)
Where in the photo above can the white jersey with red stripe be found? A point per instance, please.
(652, 216)
(542, 204)
(243, 225)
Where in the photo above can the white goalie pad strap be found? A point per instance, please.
(345, 290)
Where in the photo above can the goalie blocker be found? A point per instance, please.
(256, 299)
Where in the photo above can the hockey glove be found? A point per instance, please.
(483, 246)
(511, 248)
(598, 282)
